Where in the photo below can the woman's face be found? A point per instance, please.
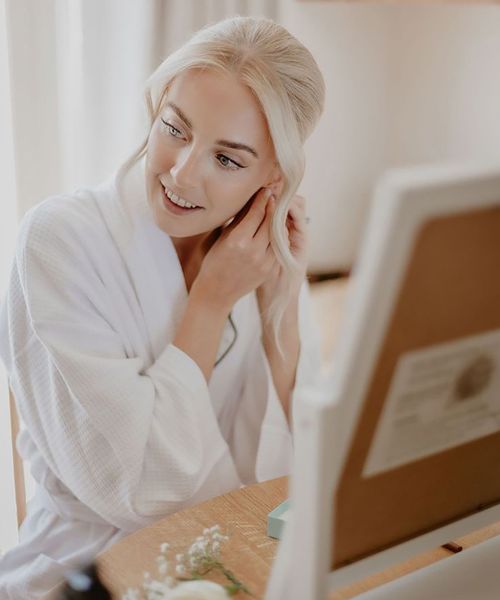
(210, 147)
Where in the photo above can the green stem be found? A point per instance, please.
(232, 578)
(211, 564)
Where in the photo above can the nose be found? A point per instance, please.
(186, 170)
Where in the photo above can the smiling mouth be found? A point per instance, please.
(176, 205)
(177, 200)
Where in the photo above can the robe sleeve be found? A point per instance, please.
(132, 443)
(262, 442)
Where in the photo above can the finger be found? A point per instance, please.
(269, 261)
(263, 234)
(297, 206)
(251, 221)
(270, 255)
(296, 218)
(243, 212)
(296, 225)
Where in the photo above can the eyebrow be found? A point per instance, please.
(227, 143)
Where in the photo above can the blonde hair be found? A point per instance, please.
(285, 79)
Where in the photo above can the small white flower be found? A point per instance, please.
(180, 570)
(194, 562)
(179, 557)
(164, 547)
(200, 547)
(198, 590)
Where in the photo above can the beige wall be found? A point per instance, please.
(405, 85)
(445, 82)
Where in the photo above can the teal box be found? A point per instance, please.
(277, 518)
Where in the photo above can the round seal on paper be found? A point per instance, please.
(475, 378)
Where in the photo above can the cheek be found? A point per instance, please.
(246, 187)
(233, 195)
(158, 155)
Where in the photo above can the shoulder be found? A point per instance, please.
(62, 221)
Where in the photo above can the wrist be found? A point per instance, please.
(209, 301)
(289, 326)
(200, 329)
(265, 298)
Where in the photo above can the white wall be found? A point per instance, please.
(445, 83)
(348, 149)
(405, 85)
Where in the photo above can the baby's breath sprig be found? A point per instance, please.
(202, 558)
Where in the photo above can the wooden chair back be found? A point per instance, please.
(20, 488)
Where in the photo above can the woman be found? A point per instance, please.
(156, 327)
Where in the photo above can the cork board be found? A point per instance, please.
(451, 290)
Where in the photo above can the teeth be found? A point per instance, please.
(179, 201)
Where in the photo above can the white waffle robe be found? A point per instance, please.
(119, 426)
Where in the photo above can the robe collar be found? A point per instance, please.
(153, 264)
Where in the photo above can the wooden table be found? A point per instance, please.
(249, 553)
(242, 515)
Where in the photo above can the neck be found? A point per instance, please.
(194, 248)
(191, 252)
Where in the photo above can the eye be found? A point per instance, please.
(227, 163)
(173, 131)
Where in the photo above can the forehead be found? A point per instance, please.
(219, 105)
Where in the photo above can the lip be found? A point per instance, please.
(175, 208)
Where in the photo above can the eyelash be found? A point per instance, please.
(169, 127)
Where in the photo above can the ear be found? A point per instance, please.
(276, 182)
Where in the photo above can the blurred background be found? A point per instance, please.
(407, 83)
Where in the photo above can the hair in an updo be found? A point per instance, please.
(285, 79)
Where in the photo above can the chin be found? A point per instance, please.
(178, 229)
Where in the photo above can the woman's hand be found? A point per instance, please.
(242, 258)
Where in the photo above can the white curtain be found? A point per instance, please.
(8, 221)
(77, 71)
(77, 74)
